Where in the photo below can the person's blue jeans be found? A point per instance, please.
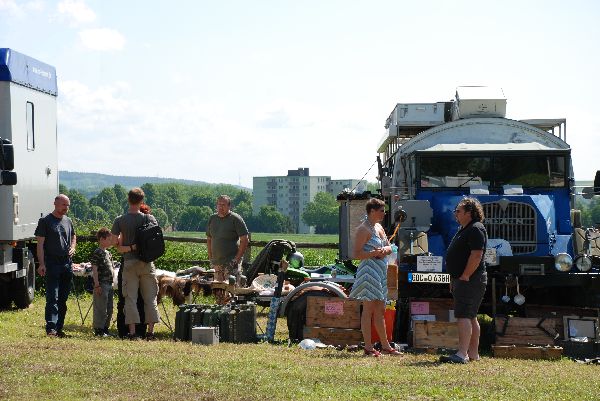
(59, 277)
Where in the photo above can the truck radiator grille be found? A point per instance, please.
(513, 222)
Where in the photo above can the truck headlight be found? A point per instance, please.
(583, 263)
(563, 262)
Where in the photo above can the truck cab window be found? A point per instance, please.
(454, 171)
(30, 127)
(530, 171)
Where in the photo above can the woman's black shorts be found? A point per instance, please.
(468, 295)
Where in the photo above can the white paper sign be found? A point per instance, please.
(490, 257)
(429, 263)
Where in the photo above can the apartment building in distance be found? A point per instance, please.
(291, 193)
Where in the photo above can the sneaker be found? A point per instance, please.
(52, 333)
(453, 359)
(100, 333)
(132, 337)
(150, 337)
(62, 334)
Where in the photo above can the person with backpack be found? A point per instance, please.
(137, 274)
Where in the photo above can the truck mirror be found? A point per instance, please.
(8, 178)
(7, 163)
(587, 192)
(7, 155)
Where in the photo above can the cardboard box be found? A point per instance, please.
(525, 352)
(334, 336)
(435, 334)
(526, 331)
(341, 313)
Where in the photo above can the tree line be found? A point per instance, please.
(184, 207)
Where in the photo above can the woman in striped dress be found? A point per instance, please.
(371, 246)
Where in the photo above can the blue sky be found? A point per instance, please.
(223, 91)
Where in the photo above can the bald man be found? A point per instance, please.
(56, 242)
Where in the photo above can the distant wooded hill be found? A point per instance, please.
(90, 184)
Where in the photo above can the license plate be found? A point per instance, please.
(436, 278)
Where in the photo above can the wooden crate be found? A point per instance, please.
(439, 307)
(334, 336)
(525, 352)
(435, 334)
(341, 313)
(526, 331)
(559, 312)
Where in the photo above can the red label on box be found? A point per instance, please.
(334, 308)
(419, 308)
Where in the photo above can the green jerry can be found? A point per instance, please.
(244, 330)
(182, 320)
(210, 316)
(228, 317)
(195, 318)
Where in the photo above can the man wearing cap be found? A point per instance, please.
(56, 243)
(226, 240)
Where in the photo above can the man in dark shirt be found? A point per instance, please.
(56, 243)
(226, 240)
(466, 266)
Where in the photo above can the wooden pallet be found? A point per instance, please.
(525, 352)
(334, 336)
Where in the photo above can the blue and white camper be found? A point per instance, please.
(28, 92)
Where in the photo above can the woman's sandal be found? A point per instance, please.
(391, 351)
(372, 352)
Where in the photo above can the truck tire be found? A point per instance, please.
(296, 314)
(5, 300)
(24, 287)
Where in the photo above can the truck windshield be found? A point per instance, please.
(446, 171)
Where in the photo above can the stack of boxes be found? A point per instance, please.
(335, 321)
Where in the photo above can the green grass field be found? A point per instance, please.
(301, 238)
(85, 368)
(179, 252)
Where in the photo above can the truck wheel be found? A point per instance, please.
(24, 287)
(5, 300)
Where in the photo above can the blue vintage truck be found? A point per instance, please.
(433, 154)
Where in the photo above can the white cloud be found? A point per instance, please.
(76, 11)
(103, 39)
(8, 5)
(109, 129)
(21, 9)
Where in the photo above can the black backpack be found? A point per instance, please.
(149, 241)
